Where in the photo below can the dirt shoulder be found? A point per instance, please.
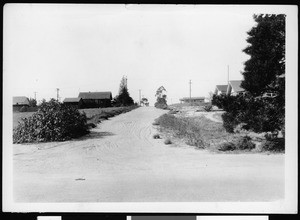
(121, 162)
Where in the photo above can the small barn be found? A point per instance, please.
(220, 89)
(19, 102)
(76, 102)
(96, 99)
(234, 87)
(193, 100)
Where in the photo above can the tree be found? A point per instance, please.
(265, 69)
(32, 102)
(264, 73)
(144, 101)
(123, 99)
(161, 98)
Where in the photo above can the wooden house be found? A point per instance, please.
(19, 102)
(76, 102)
(96, 99)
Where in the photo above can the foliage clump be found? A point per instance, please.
(261, 108)
(53, 121)
(161, 98)
(123, 98)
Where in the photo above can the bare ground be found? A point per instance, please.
(121, 162)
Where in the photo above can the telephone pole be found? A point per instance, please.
(140, 96)
(35, 96)
(57, 91)
(227, 74)
(190, 91)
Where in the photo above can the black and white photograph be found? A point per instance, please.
(150, 108)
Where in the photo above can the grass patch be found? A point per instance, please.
(196, 131)
(168, 141)
(156, 136)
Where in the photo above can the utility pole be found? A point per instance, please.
(57, 91)
(190, 91)
(227, 74)
(35, 96)
(140, 96)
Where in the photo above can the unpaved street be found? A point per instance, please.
(121, 162)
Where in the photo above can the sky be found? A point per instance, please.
(81, 48)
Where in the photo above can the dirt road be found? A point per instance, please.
(121, 162)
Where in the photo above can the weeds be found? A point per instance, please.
(156, 136)
(168, 141)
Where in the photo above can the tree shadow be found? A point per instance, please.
(95, 135)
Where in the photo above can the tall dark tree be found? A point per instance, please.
(264, 71)
(123, 99)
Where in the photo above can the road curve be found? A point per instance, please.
(121, 162)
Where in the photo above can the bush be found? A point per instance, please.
(276, 145)
(229, 121)
(227, 146)
(183, 128)
(245, 143)
(52, 122)
(156, 136)
(168, 141)
(207, 108)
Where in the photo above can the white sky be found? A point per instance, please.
(90, 47)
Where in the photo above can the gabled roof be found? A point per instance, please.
(20, 100)
(95, 95)
(236, 85)
(72, 99)
(222, 88)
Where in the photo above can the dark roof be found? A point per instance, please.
(192, 98)
(222, 88)
(95, 95)
(72, 99)
(236, 85)
(20, 100)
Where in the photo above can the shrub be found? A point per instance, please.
(207, 108)
(245, 143)
(227, 146)
(156, 136)
(52, 122)
(183, 128)
(229, 121)
(276, 145)
(168, 141)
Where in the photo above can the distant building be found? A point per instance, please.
(220, 89)
(76, 102)
(192, 100)
(234, 87)
(96, 99)
(19, 102)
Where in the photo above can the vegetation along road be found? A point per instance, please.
(121, 162)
